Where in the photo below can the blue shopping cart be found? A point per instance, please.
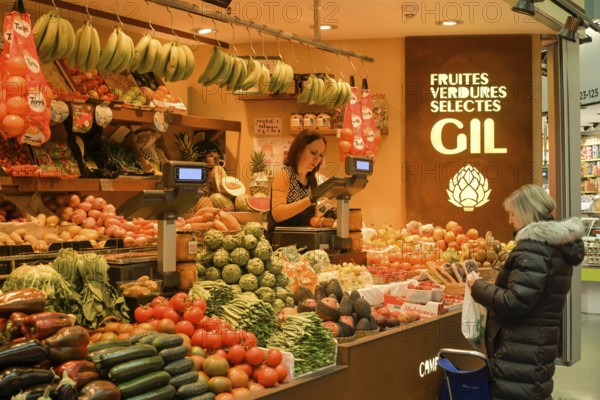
(462, 384)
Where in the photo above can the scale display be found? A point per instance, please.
(359, 166)
(190, 175)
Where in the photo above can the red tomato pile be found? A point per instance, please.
(15, 158)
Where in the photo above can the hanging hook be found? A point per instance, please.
(278, 48)
(263, 46)
(325, 62)
(215, 29)
(340, 66)
(312, 64)
(233, 39)
(116, 12)
(194, 31)
(351, 63)
(293, 53)
(366, 70)
(55, 6)
(250, 36)
(150, 19)
(172, 26)
(87, 10)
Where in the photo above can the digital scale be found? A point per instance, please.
(341, 189)
(182, 183)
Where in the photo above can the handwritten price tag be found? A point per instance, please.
(267, 126)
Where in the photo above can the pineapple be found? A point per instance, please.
(186, 147)
(258, 159)
(260, 183)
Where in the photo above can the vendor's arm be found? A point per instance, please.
(280, 189)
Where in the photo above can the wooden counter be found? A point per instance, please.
(396, 364)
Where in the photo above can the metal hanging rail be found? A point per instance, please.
(566, 6)
(218, 16)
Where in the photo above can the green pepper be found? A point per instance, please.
(45, 324)
(69, 343)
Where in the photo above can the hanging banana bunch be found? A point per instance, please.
(118, 52)
(148, 52)
(87, 48)
(54, 37)
(218, 69)
(325, 92)
(283, 75)
(176, 62)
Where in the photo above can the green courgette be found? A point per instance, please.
(164, 393)
(144, 384)
(136, 337)
(107, 361)
(149, 338)
(95, 356)
(192, 389)
(179, 367)
(183, 379)
(167, 341)
(205, 396)
(107, 343)
(130, 369)
(173, 354)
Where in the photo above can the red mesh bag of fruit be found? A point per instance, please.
(24, 94)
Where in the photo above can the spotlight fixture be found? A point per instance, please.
(569, 30)
(585, 39)
(325, 27)
(449, 22)
(525, 7)
(204, 31)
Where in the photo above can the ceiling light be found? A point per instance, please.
(569, 30)
(525, 6)
(325, 27)
(204, 31)
(449, 22)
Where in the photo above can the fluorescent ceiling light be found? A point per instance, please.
(449, 22)
(204, 31)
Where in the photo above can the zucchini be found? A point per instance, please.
(167, 341)
(179, 367)
(130, 369)
(205, 396)
(95, 356)
(192, 389)
(149, 338)
(174, 353)
(144, 384)
(107, 343)
(133, 352)
(184, 379)
(136, 337)
(163, 393)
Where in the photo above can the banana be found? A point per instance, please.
(141, 48)
(129, 54)
(275, 76)
(253, 74)
(233, 77)
(213, 67)
(150, 56)
(40, 27)
(181, 64)
(339, 101)
(190, 61)
(48, 43)
(331, 92)
(120, 53)
(84, 41)
(287, 79)
(72, 59)
(94, 53)
(224, 72)
(62, 38)
(171, 65)
(71, 36)
(243, 74)
(265, 77)
(316, 92)
(162, 57)
(109, 50)
(307, 89)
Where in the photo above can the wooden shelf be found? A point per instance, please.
(589, 192)
(592, 144)
(324, 132)
(591, 160)
(268, 97)
(121, 184)
(129, 116)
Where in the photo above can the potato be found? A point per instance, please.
(74, 229)
(30, 239)
(51, 238)
(16, 238)
(66, 236)
(41, 219)
(142, 279)
(52, 220)
(40, 246)
(4, 237)
(21, 232)
(152, 285)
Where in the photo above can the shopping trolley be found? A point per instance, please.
(464, 384)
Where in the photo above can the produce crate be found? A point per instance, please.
(428, 310)
(55, 160)
(125, 88)
(157, 93)
(16, 159)
(121, 158)
(90, 84)
(60, 85)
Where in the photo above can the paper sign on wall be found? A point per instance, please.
(267, 126)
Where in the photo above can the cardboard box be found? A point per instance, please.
(428, 310)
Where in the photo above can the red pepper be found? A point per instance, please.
(67, 344)
(45, 324)
(74, 368)
(29, 301)
(13, 327)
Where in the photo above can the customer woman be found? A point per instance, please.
(524, 306)
(291, 201)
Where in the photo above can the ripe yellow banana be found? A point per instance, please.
(190, 61)
(48, 42)
(213, 67)
(109, 50)
(72, 59)
(83, 47)
(94, 54)
(141, 48)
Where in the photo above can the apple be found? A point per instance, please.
(461, 238)
(438, 233)
(472, 233)
(449, 236)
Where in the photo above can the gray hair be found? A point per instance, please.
(529, 203)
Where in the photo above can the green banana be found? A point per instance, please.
(119, 54)
(49, 41)
(40, 27)
(190, 62)
(130, 47)
(70, 35)
(141, 48)
(62, 40)
(84, 41)
(275, 76)
(243, 74)
(172, 58)
(213, 67)
(233, 77)
(109, 50)
(94, 54)
(263, 81)
(72, 59)
(307, 89)
(181, 64)
(317, 94)
(224, 72)
(253, 74)
(147, 62)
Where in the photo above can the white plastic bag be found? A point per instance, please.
(473, 320)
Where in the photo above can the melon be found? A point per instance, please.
(259, 203)
(241, 204)
(221, 201)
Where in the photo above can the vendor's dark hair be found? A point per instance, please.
(304, 138)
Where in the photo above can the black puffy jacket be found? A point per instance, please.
(524, 308)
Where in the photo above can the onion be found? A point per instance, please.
(141, 241)
(100, 230)
(78, 216)
(129, 234)
(128, 226)
(99, 203)
(111, 221)
(73, 200)
(110, 230)
(119, 233)
(66, 236)
(107, 215)
(109, 208)
(95, 214)
(74, 229)
(89, 234)
(90, 198)
(128, 241)
(88, 223)
(66, 213)
(85, 206)
(100, 221)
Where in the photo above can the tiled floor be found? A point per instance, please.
(581, 381)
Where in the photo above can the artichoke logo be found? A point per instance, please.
(468, 189)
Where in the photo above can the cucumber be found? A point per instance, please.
(179, 367)
(149, 338)
(107, 343)
(205, 396)
(183, 379)
(146, 383)
(174, 353)
(167, 341)
(133, 352)
(136, 337)
(192, 389)
(95, 356)
(164, 393)
(130, 369)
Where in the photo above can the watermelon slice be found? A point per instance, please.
(259, 203)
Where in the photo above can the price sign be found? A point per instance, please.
(267, 126)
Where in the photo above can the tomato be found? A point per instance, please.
(255, 356)
(172, 314)
(199, 303)
(344, 146)
(247, 368)
(220, 353)
(237, 377)
(232, 337)
(143, 314)
(213, 340)
(95, 337)
(193, 314)
(198, 361)
(158, 310)
(166, 325)
(249, 339)
(179, 301)
(241, 393)
(158, 300)
(256, 371)
(226, 396)
(282, 373)
(215, 366)
(255, 387)
(273, 357)
(219, 384)
(108, 337)
(184, 327)
(197, 350)
(268, 377)
(199, 338)
(347, 134)
(236, 354)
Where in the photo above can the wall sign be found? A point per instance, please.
(267, 126)
(469, 128)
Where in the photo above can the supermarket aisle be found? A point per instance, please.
(580, 381)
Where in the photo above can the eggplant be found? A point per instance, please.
(27, 300)
(100, 390)
(15, 379)
(23, 353)
(35, 392)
